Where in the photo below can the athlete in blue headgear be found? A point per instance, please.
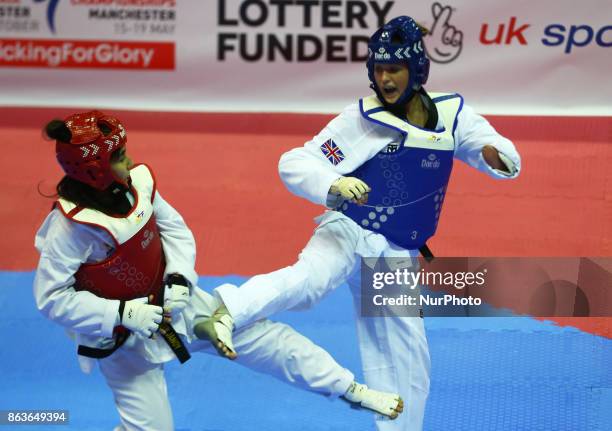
(398, 43)
(381, 167)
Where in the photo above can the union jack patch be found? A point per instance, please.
(332, 152)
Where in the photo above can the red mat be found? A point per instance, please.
(219, 171)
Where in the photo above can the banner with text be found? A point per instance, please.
(513, 57)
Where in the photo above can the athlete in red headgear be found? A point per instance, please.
(117, 270)
(87, 156)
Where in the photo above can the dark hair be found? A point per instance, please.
(57, 129)
(109, 201)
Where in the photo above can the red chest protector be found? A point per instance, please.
(136, 266)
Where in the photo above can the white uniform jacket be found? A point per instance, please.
(307, 172)
(65, 245)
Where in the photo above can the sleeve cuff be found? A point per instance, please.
(189, 273)
(326, 180)
(109, 321)
(512, 167)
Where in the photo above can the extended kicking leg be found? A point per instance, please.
(218, 330)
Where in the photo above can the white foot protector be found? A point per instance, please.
(224, 326)
(218, 328)
(384, 403)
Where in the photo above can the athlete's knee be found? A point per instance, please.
(327, 264)
(296, 349)
(317, 283)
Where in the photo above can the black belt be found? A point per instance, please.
(426, 253)
(94, 352)
(174, 342)
(165, 329)
(171, 337)
(428, 256)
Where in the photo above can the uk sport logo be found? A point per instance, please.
(332, 152)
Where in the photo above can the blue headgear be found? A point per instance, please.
(406, 48)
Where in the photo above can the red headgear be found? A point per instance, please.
(86, 157)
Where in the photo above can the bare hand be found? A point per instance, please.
(491, 156)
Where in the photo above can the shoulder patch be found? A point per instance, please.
(332, 152)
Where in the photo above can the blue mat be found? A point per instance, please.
(501, 374)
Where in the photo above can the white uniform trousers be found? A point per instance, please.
(139, 386)
(394, 351)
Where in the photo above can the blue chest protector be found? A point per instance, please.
(408, 184)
